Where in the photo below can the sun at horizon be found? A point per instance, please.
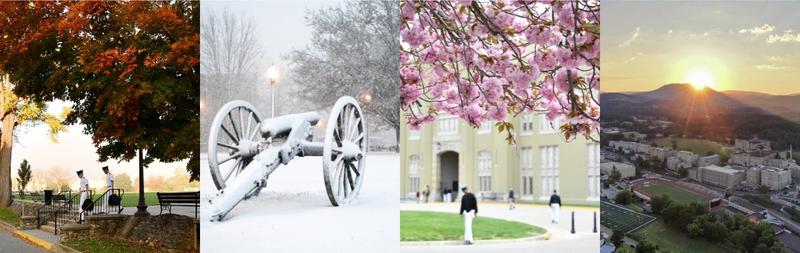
(700, 78)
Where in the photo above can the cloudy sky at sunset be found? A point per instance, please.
(753, 46)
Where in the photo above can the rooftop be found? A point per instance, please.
(726, 169)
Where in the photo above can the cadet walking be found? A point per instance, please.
(84, 191)
(511, 205)
(109, 186)
(555, 206)
(469, 205)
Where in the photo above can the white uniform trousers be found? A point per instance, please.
(554, 211)
(105, 200)
(468, 216)
(84, 196)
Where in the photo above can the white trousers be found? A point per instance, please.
(84, 196)
(554, 211)
(468, 225)
(105, 200)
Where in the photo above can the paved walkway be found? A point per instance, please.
(10, 243)
(561, 240)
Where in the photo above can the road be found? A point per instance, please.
(12, 244)
(561, 240)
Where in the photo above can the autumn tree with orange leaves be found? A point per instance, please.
(131, 70)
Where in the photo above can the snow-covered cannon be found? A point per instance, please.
(243, 150)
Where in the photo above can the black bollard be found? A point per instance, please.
(573, 222)
(595, 222)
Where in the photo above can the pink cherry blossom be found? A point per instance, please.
(481, 60)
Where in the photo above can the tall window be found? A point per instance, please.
(549, 166)
(485, 128)
(484, 171)
(527, 123)
(448, 124)
(526, 172)
(413, 134)
(593, 150)
(413, 173)
(546, 126)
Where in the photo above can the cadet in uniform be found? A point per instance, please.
(469, 205)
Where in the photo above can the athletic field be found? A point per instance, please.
(619, 218)
(648, 188)
(677, 195)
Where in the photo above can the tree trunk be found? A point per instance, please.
(397, 138)
(6, 139)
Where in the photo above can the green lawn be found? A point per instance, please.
(129, 199)
(697, 146)
(438, 226)
(9, 216)
(675, 194)
(106, 245)
(671, 240)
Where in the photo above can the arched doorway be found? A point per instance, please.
(448, 164)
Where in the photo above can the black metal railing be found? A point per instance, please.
(44, 211)
(64, 209)
(102, 205)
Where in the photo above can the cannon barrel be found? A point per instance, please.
(250, 179)
(279, 126)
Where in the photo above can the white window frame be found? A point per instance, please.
(447, 125)
(413, 173)
(549, 170)
(484, 171)
(593, 173)
(485, 127)
(526, 173)
(413, 134)
(546, 126)
(527, 123)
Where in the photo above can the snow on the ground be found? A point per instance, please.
(293, 213)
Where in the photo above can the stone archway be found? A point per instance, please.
(448, 169)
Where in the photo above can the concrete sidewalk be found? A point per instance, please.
(11, 242)
(561, 239)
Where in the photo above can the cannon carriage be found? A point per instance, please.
(244, 148)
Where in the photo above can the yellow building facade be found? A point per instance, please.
(448, 153)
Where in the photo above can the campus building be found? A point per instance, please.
(752, 145)
(775, 178)
(625, 170)
(724, 177)
(449, 153)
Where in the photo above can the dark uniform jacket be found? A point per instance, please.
(468, 203)
(555, 199)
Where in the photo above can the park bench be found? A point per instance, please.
(169, 199)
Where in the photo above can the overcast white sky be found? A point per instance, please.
(73, 151)
(280, 25)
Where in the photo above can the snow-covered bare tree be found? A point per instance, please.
(354, 51)
(229, 45)
(229, 59)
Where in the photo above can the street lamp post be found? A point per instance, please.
(272, 78)
(141, 208)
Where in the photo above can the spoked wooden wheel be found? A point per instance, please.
(233, 141)
(344, 151)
